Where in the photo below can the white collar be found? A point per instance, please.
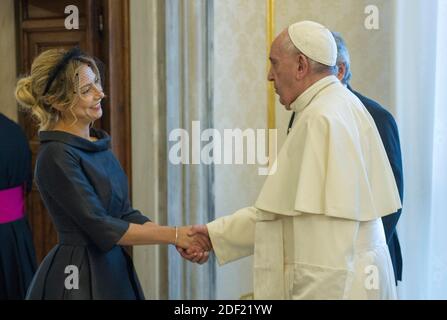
(307, 96)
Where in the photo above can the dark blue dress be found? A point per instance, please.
(86, 193)
(17, 255)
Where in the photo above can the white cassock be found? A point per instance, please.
(315, 229)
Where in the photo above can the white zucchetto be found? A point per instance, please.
(315, 41)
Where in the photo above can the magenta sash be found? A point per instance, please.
(12, 204)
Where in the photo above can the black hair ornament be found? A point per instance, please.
(71, 54)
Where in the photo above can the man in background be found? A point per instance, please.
(390, 137)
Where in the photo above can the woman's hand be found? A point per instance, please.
(199, 250)
(187, 239)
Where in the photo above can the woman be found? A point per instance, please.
(84, 188)
(17, 256)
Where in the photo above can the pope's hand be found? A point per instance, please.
(192, 253)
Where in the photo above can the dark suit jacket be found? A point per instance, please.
(15, 156)
(390, 137)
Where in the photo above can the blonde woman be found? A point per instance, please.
(84, 187)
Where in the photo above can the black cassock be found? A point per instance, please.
(390, 137)
(17, 256)
(86, 193)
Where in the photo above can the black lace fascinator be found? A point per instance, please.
(72, 54)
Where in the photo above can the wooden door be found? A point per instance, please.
(103, 33)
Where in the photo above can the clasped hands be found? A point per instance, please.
(193, 243)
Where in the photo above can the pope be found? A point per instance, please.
(315, 229)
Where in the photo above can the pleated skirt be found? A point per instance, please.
(83, 272)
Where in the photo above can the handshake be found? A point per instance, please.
(193, 243)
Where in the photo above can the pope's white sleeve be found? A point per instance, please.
(233, 236)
